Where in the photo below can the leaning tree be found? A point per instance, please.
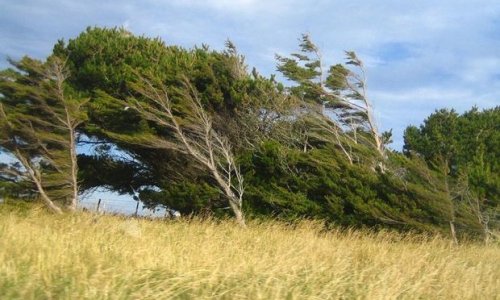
(39, 117)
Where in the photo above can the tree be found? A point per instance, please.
(245, 108)
(464, 149)
(288, 183)
(438, 137)
(40, 115)
(340, 89)
(184, 127)
(195, 137)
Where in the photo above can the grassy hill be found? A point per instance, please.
(78, 256)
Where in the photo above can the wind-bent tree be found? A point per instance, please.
(39, 117)
(465, 150)
(476, 202)
(246, 108)
(349, 87)
(194, 135)
(306, 151)
(439, 132)
(342, 91)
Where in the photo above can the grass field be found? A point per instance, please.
(78, 256)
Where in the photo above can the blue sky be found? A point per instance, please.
(420, 55)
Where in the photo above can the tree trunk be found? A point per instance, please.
(453, 233)
(486, 233)
(36, 179)
(238, 213)
(234, 202)
(452, 208)
(50, 204)
(206, 147)
(74, 170)
(44, 196)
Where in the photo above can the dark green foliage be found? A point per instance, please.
(436, 139)
(296, 160)
(14, 186)
(305, 69)
(466, 149)
(321, 183)
(469, 143)
(106, 60)
(187, 197)
(39, 116)
(117, 58)
(114, 174)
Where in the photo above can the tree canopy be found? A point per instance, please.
(467, 148)
(194, 130)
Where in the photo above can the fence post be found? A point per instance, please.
(137, 208)
(98, 205)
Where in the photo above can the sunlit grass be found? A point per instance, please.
(105, 257)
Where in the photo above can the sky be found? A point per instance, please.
(419, 55)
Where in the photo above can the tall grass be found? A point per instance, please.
(104, 257)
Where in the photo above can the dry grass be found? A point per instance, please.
(105, 257)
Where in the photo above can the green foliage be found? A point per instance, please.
(438, 136)
(12, 186)
(107, 63)
(40, 114)
(114, 174)
(467, 146)
(106, 60)
(469, 142)
(186, 197)
(296, 159)
(321, 183)
(339, 93)
(305, 69)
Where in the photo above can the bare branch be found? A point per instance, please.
(199, 140)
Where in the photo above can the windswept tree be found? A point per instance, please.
(465, 150)
(246, 108)
(177, 124)
(39, 117)
(339, 91)
(438, 138)
(193, 135)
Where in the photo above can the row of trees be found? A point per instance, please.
(196, 132)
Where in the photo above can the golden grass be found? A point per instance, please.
(104, 257)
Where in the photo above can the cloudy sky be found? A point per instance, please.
(420, 55)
